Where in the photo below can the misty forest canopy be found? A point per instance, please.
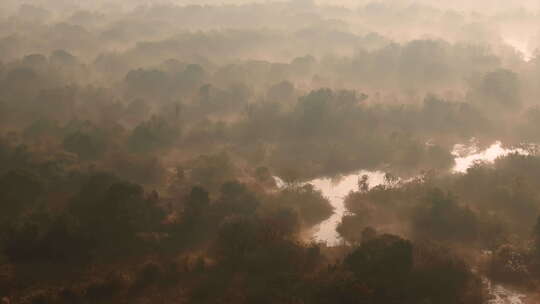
(162, 151)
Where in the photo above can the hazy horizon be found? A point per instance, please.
(273, 152)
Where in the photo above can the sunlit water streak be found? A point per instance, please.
(522, 47)
(337, 190)
(465, 156)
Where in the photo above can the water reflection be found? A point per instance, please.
(466, 155)
(336, 191)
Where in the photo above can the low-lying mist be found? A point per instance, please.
(269, 151)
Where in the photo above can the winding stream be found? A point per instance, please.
(337, 190)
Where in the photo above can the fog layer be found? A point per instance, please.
(269, 151)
